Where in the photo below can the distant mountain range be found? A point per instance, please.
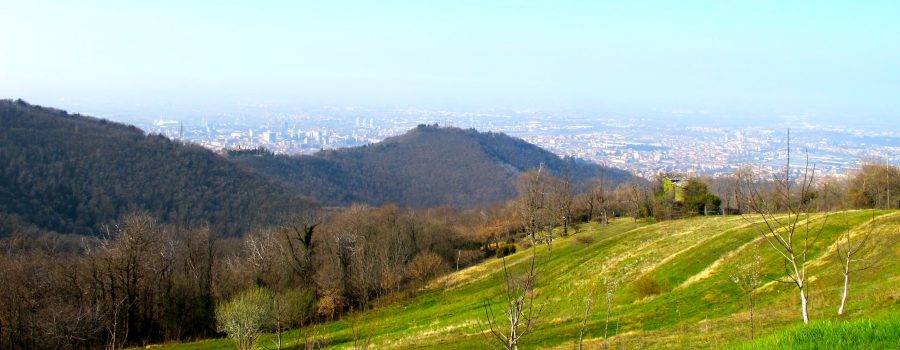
(76, 174)
(426, 167)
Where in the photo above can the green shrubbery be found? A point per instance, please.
(646, 286)
(244, 317)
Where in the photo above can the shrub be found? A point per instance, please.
(299, 305)
(582, 217)
(330, 304)
(647, 286)
(505, 250)
(470, 257)
(426, 266)
(586, 239)
(244, 317)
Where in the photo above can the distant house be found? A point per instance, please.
(674, 185)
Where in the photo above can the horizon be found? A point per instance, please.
(822, 64)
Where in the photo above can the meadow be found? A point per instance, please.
(675, 290)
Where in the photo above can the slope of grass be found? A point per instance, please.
(878, 333)
(691, 259)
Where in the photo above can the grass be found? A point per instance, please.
(878, 333)
(697, 305)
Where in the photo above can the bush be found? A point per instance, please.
(647, 286)
(585, 238)
(330, 304)
(505, 250)
(580, 218)
(426, 266)
(299, 305)
(470, 257)
(244, 317)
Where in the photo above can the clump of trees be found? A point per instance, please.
(687, 197)
(144, 281)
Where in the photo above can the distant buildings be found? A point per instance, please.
(644, 148)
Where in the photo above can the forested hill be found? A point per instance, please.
(428, 166)
(74, 174)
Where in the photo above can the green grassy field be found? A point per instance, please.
(699, 306)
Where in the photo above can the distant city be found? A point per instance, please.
(643, 146)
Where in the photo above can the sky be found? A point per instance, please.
(837, 60)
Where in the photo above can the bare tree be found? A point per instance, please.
(263, 254)
(562, 198)
(588, 304)
(598, 199)
(786, 212)
(748, 278)
(849, 249)
(520, 306)
(532, 201)
(611, 287)
(632, 196)
(360, 341)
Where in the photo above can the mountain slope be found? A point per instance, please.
(698, 305)
(428, 166)
(75, 174)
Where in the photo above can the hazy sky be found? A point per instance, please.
(819, 58)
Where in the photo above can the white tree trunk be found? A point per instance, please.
(846, 286)
(804, 306)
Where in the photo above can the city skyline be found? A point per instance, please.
(642, 146)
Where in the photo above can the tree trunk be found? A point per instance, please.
(804, 307)
(606, 326)
(750, 296)
(846, 286)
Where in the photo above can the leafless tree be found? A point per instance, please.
(849, 249)
(598, 199)
(561, 200)
(611, 286)
(588, 304)
(631, 196)
(360, 341)
(786, 212)
(532, 200)
(748, 278)
(520, 306)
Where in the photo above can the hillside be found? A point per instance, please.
(426, 167)
(74, 174)
(692, 260)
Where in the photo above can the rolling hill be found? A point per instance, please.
(426, 167)
(697, 304)
(70, 173)
(74, 174)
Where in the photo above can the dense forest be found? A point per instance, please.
(426, 167)
(75, 174)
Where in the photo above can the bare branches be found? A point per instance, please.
(786, 210)
(588, 304)
(849, 248)
(520, 310)
(748, 278)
